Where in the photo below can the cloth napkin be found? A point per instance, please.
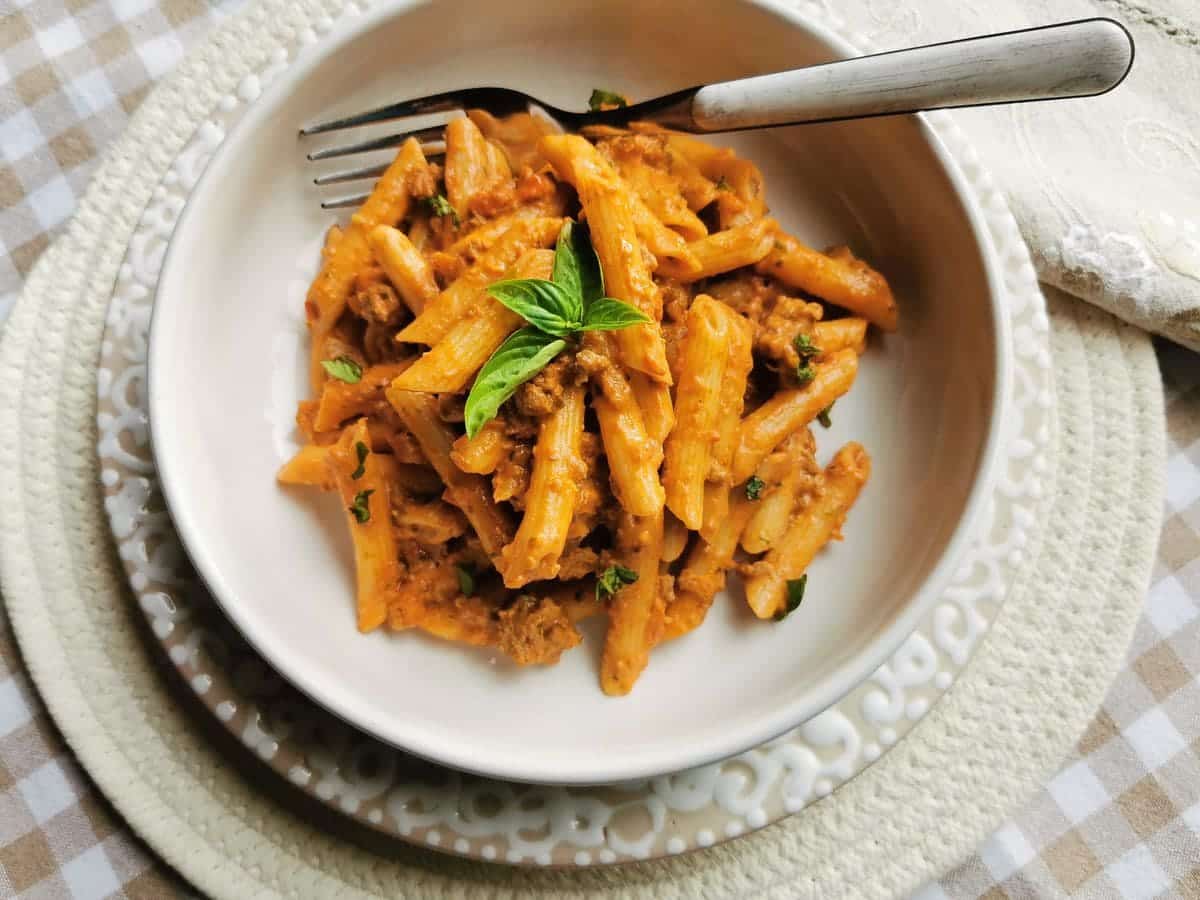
(1106, 189)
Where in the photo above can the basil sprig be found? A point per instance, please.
(557, 311)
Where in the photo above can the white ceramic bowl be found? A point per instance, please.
(227, 361)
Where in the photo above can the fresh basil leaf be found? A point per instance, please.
(360, 508)
(343, 368)
(613, 579)
(795, 594)
(466, 580)
(610, 314)
(754, 487)
(440, 206)
(823, 416)
(361, 450)
(576, 266)
(601, 98)
(523, 355)
(551, 307)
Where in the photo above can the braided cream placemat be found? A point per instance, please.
(1023, 701)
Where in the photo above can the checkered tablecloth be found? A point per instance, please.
(1121, 818)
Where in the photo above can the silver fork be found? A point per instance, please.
(1083, 58)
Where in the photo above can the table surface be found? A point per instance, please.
(1120, 818)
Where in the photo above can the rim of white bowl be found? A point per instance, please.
(602, 769)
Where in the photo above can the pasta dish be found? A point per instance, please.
(560, 375)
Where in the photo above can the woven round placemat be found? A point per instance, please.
(237, 831)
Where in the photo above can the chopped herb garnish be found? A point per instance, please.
(343, 368)
(359, 508)
(361, 450)
(466, 580)
(613, 579)
(805, 346)
(601, 98)
(779, 246)
(795, 593)
(440, 207)
(723, 184)
(754, 487)
(807, 350)
(823, 416)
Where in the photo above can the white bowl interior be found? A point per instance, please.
(227, 370)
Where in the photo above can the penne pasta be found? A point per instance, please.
(837, 277)
(613, 212)
(813, 527)
(782, 474)
(310, 466)
(453, 361)
(631, 610)
(840, 334)
(451, 305)
(468, 492)
(633, 457)
(698, 394)
(341, 401)
(558, 469)
(404, 266)
(367, 501)
(604, 464)
(739, 362)
(483, 453)
(789, 410)
(344, 257)
(703, 572)
(724, 251)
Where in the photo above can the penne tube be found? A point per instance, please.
(724, 251)
(810, 530)
(469, 164)
(788, 411)
(404, 266)
(558, 470)
(703, 572)
(464, 295)
(310, 466)
(661, 194)
(483, 453)
(783, 473)
(837, 277)
(341, 401)
(654, 400)
(452, 362)
(675, 538)
(367, 503)
(739, 362)
(633, 456)
(610, 208)
(348, 254)
(840, 334)
(631, 609)
(697, 397)
(467, 491)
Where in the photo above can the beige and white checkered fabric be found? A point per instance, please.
(1120, 819)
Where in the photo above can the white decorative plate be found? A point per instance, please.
(494, 820)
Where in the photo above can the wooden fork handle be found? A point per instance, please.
(1072, 59)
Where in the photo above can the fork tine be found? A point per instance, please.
(433, 148)
(424, 135)
(450, 100)
(343, 202)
